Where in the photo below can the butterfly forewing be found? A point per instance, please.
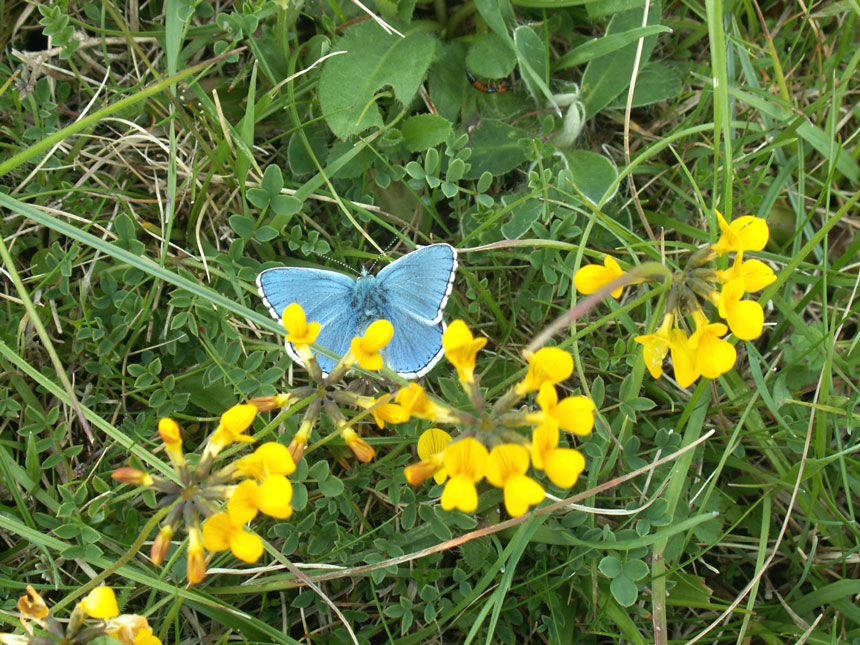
(420, 282)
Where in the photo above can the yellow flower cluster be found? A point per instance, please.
(264, 488)
(364, 352)
(467, 461)
(99, 604)
(703, 351)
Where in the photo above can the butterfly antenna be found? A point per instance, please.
(390, 246)
(336, 261)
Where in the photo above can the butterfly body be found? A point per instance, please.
(411, 293)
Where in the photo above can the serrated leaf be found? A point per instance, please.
(374, 60)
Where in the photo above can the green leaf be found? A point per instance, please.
(374, 60)
(496, 149)
(331, 487)
(243, 225)
(608, 76)
(285, 205)
(624, 590)
(258, 197)
(635, 569)
(273, 180)
(490, 56)
(448, 83)
(532, 57)
(610, 566)
(602, 46)
(592, 174)
(425, 131)
(656, 82)
(523, 215)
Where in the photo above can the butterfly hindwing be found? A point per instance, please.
(415, 347)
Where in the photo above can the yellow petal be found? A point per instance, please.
(592, 277)
(238, 419)
(563, 466)
(168, 430)
(520, 493)
(100, 603)
(547, 365)
(276, 458)
(244, 502)
(575, 414)
(216, 532)
(377, 336)
(506, 461)
(275, 495)
(246, 546)
(467, 457)
(432, 442)
(757, 275)
(714, 355)
(544, 441)
(684, 361)
(460, 492)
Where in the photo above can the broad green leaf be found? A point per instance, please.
(531, 54)
(592, 174)
(273, 180)
(374, 60)
(496, 149)
(608, 76)
(610, 566)
(448, 82)
(490, 56)
(656, 82)
(425, 131)
(523, 215)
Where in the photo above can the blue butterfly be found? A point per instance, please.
(411, 293)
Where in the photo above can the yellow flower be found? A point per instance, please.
(220, 534)
(461, 348)
(413, 399)
(366, 348)
(34, 607)
(169, 431)
(146, 637)
(299, 331)
(756, 274)
(506, 469)
(656, 347)
(573, 413)
(466, 462)
(127, 475)
(300, 441)
(390, 412)
(714, 356)
(271, 458)
(593, 277)
(271, 402)
(562, 465)
(747, 233)
(684, 360)
(131, 629)
(547, 365)
(745, 317)
(363, 451)
(233, 424)
(272, 497)
(161, 545)
(431, 451)
(195, 568)
(100, 603)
